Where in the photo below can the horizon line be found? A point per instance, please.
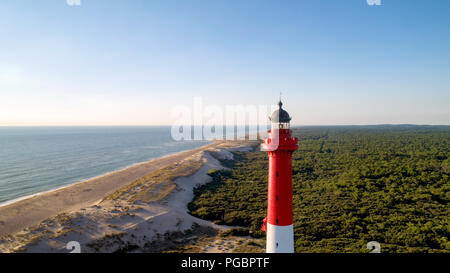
(296, 125)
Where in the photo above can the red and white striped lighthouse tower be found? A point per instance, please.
(280, 145)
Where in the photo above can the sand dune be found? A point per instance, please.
(133, 208)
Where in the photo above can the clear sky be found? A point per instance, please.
(127, 62)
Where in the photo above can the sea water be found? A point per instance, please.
(38, 159)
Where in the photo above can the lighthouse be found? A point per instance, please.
(280, 145)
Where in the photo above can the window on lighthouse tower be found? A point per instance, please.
(283, 125)
(280, 125)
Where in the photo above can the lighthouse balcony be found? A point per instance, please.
(280, 143)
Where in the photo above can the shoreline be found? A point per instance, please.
(138, 214)
(29, 196)
(33, 209)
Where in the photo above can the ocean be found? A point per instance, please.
(38, 159)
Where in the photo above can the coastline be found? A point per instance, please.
(15, 200)
(254, 136)
(37, 224)
(74, 193)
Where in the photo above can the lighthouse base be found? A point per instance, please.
(280, 239)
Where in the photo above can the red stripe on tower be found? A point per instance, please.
(279, 222)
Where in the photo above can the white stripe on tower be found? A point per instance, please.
(280, 239)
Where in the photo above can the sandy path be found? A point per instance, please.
(19, 215)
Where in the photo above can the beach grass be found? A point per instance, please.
(156, 186)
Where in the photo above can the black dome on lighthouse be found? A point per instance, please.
(280, 115)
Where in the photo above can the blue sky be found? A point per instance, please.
(127, 62)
